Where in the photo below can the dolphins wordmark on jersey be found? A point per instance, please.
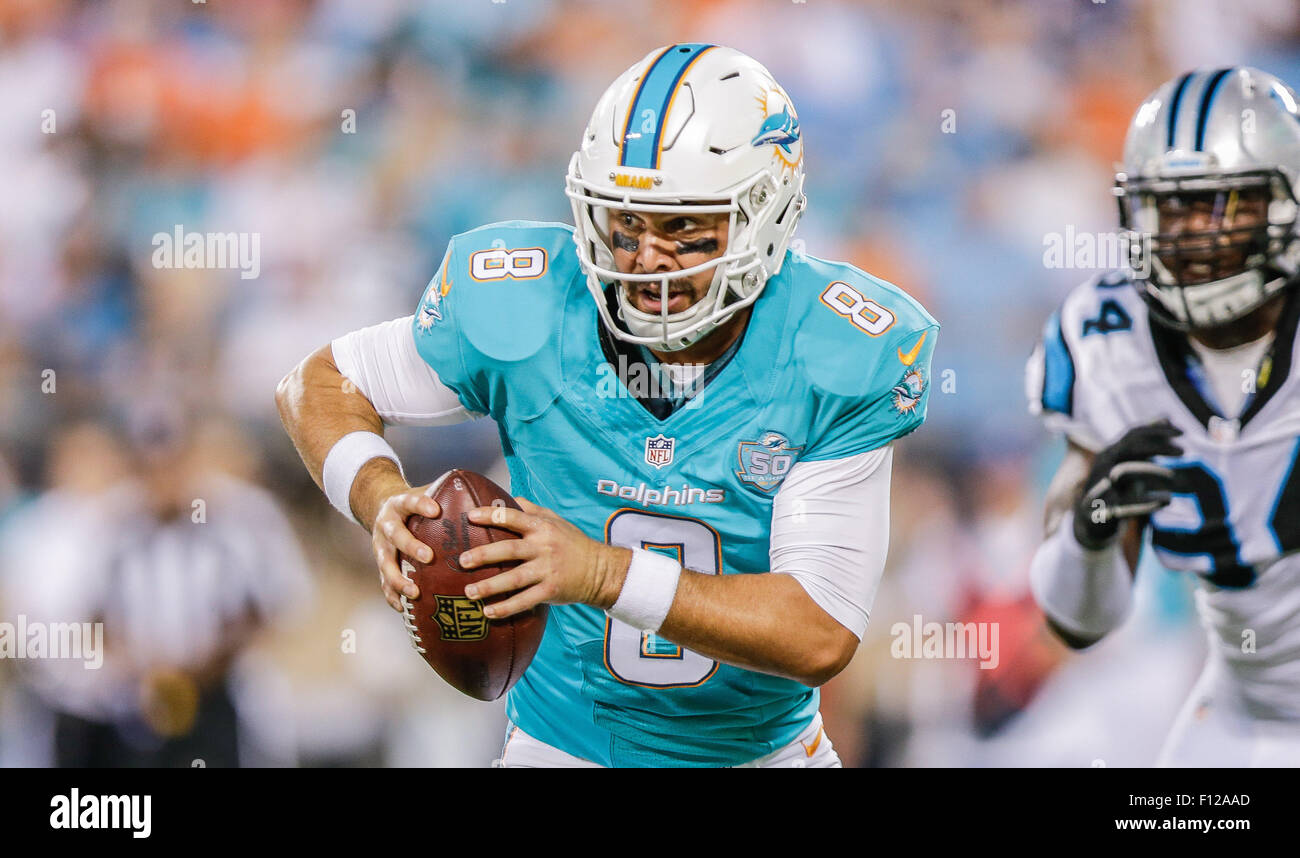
(1103, 367)
(832, 363)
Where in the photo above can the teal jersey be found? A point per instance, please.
(833, 362)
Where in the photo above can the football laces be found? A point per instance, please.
(408, 618)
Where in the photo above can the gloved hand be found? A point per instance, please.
(1124, 483)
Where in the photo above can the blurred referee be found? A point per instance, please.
(194, 564)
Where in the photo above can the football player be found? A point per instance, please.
(1175, 386)
(712, 541)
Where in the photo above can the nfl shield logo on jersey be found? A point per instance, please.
(659, 450)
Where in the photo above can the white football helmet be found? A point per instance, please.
(1228, 141)
(691, 128)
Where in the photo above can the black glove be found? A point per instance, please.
(1123, 483)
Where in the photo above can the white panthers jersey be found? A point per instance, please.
(1102, 368)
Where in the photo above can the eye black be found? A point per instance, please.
(702, 245)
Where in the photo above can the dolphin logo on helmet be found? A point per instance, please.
(780, 129)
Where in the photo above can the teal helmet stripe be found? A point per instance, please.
(644, 126)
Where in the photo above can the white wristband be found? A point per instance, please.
(1086, 592)
(648, 590)
(343, 462)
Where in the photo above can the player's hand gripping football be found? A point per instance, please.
(561, 564)
(1123, 482)
(389, 535)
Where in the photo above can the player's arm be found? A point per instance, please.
(802, 620)
(1097, 508)
(336, 416)
(318, 406)
(830, 535)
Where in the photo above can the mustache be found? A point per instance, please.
(655, 289)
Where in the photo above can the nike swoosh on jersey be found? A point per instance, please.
(909, 357)
(808, 749)
(446, 276)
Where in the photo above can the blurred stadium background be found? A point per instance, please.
(265, 641)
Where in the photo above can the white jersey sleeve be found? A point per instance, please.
(386, 368)
(830, 530)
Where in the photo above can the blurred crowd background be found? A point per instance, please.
(144, 476)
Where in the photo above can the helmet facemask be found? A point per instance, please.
(1208, 249)
(739, 273)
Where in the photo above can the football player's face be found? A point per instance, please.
(655, 243)
(1212, 231)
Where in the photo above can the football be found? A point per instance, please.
(479, 657)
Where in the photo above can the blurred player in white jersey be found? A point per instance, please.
(1174, 383)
